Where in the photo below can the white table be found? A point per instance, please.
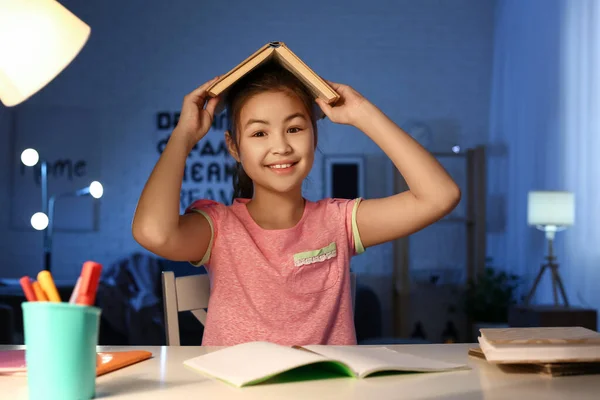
(165, 377)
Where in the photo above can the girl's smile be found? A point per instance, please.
(276, 141)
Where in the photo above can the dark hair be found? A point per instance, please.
(268, 77)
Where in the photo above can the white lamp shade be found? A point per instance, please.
(551, 208)
(38, 39)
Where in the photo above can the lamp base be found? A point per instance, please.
(556, 283)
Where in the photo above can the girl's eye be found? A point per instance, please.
(259, 134)
(294, 130)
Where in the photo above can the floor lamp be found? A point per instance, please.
(44, 220)
(38, 40)
(550, 212)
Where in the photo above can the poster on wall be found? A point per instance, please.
(344, 176)
(209, 168)
(68, 139)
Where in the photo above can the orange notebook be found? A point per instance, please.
(12, 362)
(113, 360)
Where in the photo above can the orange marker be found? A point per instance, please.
(47, 283)
(39, 292)
(90, 276)
(28, 288)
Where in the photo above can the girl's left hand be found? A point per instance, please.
(347, 109)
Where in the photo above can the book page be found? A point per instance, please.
(252, 362)
(368, 360)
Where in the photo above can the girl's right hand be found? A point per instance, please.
(196, 115)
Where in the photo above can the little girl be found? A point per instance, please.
(279, 265)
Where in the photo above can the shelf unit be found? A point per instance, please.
(475, 225)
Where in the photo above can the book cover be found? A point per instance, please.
(547, 369)
(542, 335)
(279, 52)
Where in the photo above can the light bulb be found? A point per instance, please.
(30, 157)
(39, 221)
(96, 189)
(456, 149)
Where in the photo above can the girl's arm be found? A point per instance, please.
(157, 224)
(432, 193)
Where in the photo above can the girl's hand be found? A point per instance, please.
(197, 113)
(348, 108)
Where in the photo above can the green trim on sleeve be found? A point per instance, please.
(210, 244)
(358, 246)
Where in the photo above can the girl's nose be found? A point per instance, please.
(281, 144)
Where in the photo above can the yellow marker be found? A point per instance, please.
(39, 292)
(47, 283)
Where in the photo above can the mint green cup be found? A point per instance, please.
(60, 341)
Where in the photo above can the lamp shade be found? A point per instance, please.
(551, 208)
(38, 39)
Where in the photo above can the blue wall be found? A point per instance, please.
(426, 60)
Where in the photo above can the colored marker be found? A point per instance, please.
(73, 298)
(39, 292)
(28, 288)
(90, 276)
(47, 283)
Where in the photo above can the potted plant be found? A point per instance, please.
(488, 298)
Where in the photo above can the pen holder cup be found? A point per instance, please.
(60, 341)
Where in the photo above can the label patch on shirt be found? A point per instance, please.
(314, 256)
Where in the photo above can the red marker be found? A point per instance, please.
(28, 288)
(90, 276)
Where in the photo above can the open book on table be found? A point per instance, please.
(255, 362)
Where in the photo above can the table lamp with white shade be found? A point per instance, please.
(550, 212)
(38, 39)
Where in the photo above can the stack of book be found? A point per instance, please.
(553, 351)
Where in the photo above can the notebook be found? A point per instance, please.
(110, 361)
(278, 52)
(255, 362)
(540, 345)
(12, 362)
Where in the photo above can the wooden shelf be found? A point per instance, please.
(475, 195)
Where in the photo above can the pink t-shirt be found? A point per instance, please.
(287, 286)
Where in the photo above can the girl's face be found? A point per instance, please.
(276, 141)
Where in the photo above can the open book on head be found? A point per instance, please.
(255, 362)
(279, 53)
